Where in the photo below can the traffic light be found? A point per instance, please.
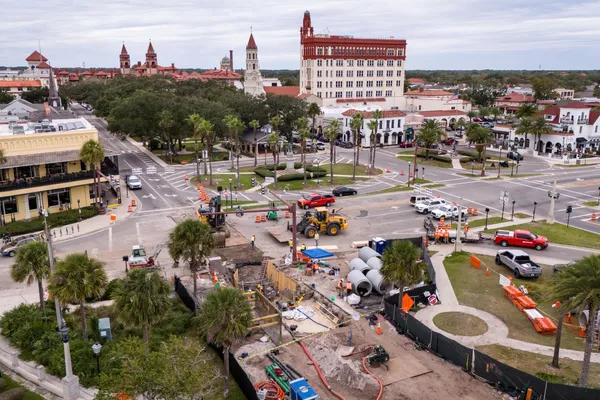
(263, 190)
(569, 209)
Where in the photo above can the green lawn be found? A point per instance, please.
(559, 233)
(435, 185)
(522, 215)
(488, 166)
(539, 365)
(433, 163)
(392, 189)
(590, 203)
(461, 324)
(476, 290)
(223, 180)
(10, 383)
(346, 169)
(314, 184)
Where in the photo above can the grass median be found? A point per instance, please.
(462, 324)
(559, 233)
(476, 290)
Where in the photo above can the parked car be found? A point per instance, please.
(418, 198)
(448, 211)
(315, 200)
(448, 129)
(346, 145)
(344, 191)
(458, 134)
(405, 145)
(429, 205)
(520, 238)
(487, 124)
(133, 182)
(557, 267)
(10, 249)
(449, 141)
(519, 262)
(476, 120)
(514, 155)
(320, 146)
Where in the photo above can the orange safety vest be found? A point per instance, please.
(316, 266)
(437, 234)
(339, 285)
(348, 285)
(446, 234)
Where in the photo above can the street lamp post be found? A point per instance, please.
(512, 168)
(487, 211)
(517, 172)
(534, 207)
(423, 174)
(472, 167)
(230, 194)
(79, 208)
(409, 174)
(512, 215)
(499, 161)
(599, 195)
(96, 347)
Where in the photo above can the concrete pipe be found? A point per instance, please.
(375, 263)
(366, 252)
(360, 284)
(379, 285)
(584, 316)
(359, 265)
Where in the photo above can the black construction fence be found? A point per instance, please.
(235, 369)
(502, 376)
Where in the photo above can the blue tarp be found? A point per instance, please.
(317, 253)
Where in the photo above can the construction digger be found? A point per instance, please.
(215, 221)
(321, 221)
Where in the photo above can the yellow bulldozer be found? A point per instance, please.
(215, 221)
(321, 221)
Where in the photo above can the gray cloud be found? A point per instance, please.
(460, 34)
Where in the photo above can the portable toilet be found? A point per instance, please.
(104, 328)
(378, 244)
(301, 390)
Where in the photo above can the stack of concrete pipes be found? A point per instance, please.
(364, 273)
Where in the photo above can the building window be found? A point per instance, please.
(319, 84)
(349, 74)
(370, 63)
(369, 73)
(359, 94)
(390, 52)
(379, 84)
(319, 63)
(419, 108)
(369, 93)
(596, 129)
(389, 73)
(339, 63)
(327, 63)
(9, 205)
(359, 83)
(359, 73)
(360, 63)
(369, 83)
(326, 74)
(387, 124)
(398, 83)
(400, 52)
(339, 73)
(390, 63)
(388, 93)
(389, 83)
(338, 95)
(399, 63)
(32, 200)
(392, 124)
(56, 168)
(378, 93)
(31, 171)
(398, 74)
(338, 84)
(348, 95)
(380, 63)
(399, 123)
(59, 197)
(350, 63)
(580, 129)
(349, 84)
(319, 51)
(319, 94)
(379, 73)
(380, 124)
(319, 74)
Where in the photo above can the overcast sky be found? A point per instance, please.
(441, 34)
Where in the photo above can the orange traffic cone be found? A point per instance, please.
(258, 219)
(215, 280)
(129, 209)
(568, 318)
(581, 331)
(187, 177)
(401, 172)
(487, 271)
(378, 331)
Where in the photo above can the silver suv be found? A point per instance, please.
(429, 205)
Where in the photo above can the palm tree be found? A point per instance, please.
(431, 133)
(302, 124)
(495, 111)
(32, 263)
(166, 123)
(235, 127)
(526, 111)
(142, 299)
(92, 154)
(481, 136)
(460, 123)
(400, 264)
(377, 115)
(577, 287)
(471, 114)
(196, 120)
(356, 125)
(207, 133)
(228, 121)
(332, 133)
(276, 123)
(224, 320)
(254, 124)
(191, 240)
(76, 278)
(540, 127)
(313, 111)
(525, 127)
(372, 125)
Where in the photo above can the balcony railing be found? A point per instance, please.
(25, 183)
(568, 121)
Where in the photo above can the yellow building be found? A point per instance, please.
(43, 167)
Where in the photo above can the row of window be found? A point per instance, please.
(389, 123)
(359, 51)
(359, 63)
(349, 84)
(56, 197)
(358, 94)
(359, 74)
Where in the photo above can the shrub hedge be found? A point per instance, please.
(55, 220)
(299, 176)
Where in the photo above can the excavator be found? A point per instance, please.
(321, 221)
(215, 221)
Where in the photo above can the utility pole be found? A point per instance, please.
(457, 242)
(552, 201)
(44, 213)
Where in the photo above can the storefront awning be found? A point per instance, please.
(594, 140)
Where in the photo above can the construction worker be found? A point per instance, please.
(252, 240)
(317, 239)
(348, 287)
(446, 236)
(437, 236)
(316, 268)
(259, 288)
(340, 288)
(303, 247)
(291, 244)
(466, 227)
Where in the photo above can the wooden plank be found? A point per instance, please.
(279, 232)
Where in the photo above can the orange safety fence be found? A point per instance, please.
(476, 262)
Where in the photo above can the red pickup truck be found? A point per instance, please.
(315, 200)
(520, 238)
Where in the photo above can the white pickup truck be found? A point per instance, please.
(448, 211)
(429, 205)
(519, 262)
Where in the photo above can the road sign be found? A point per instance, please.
(269, 180)
(503, 197)
(225, 192)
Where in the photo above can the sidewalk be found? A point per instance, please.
(141, 147)
(456, 164)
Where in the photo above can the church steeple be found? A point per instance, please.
(151, 60)
(124, 61)
(251, 43)
(251, 54)
(253, 82)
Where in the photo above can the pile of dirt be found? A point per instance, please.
(341, 372)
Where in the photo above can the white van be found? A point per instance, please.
(418, 198)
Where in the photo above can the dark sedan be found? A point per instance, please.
(344, 191)
(405, 145)
(515, 155)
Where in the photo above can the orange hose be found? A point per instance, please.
(374, 376)
(274, 392)
(333, 392)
